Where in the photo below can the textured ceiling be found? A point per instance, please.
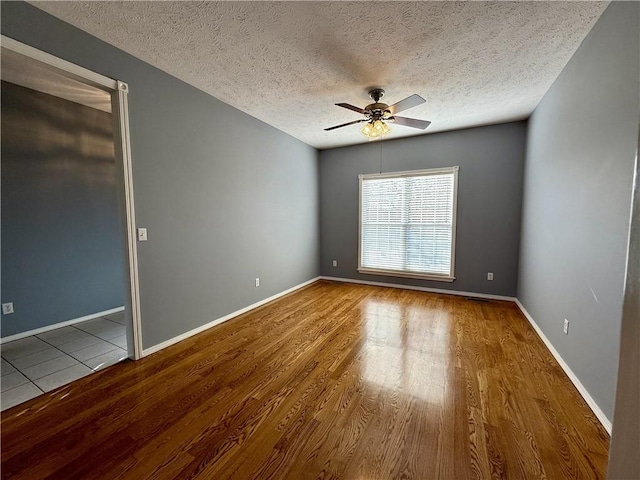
(287, 63)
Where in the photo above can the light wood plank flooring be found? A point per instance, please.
(333, 381)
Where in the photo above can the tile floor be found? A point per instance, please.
(44, 362)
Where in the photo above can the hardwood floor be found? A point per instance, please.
(332, 381)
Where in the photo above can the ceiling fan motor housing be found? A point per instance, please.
(377, 110)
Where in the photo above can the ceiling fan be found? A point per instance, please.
(377, 114)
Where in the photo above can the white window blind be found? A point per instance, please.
(407, 223)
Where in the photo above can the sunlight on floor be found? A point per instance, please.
(397, 357)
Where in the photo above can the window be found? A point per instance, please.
(408, 223)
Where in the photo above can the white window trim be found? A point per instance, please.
(411, 173)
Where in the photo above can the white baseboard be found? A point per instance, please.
(48, 328)
(606, 423)
(206, 326)
(421, 289)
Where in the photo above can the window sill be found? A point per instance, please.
(395, 273)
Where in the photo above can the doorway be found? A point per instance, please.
(70, 301)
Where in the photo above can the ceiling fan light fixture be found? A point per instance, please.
(375, 129)
(367, 130)
(381, 127)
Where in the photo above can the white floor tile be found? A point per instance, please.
(96, 325)
(58, 332)
(104, 329)
(90, 324)
(52, 359)
(17, 395)
(23, 342)
(116, 317)
(6, 367)
(36, 358)
(120, 325)
(68, 337)
(111, 333)
(22, 348)
(55, 380)
(120, 341)
(12, 380)
(93, 351)
(106, 359)
(80, 344)
(50, 366)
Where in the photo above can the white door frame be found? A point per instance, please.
(120, 112)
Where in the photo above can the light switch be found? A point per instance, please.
(142, 234)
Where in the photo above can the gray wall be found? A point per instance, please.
(62, 255)
(578, 179)
(225, 197)
(491, 163)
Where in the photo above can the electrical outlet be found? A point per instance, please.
(565, 327)
(142, 234)
(489, 276)
(7, 308)
(335, 263)
(257, 282)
